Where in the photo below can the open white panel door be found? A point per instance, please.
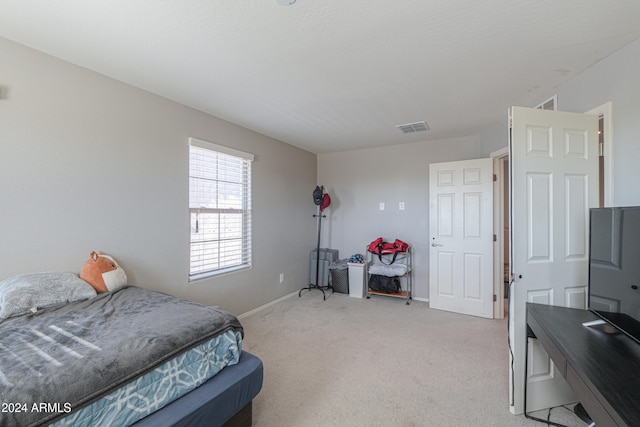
(461, 233)
(554, 177)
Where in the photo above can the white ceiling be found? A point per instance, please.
(329, 75)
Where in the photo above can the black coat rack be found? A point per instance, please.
(322, 200)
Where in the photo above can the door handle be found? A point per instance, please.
(434, 244)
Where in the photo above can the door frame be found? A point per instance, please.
(500, 175)
(606, 111)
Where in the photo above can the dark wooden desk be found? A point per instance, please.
(602, 369)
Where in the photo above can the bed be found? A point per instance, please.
(129, 357)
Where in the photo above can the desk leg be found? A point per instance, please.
(530, 334)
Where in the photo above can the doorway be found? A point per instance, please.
(506, 270)
(605, 144)
(502, 271)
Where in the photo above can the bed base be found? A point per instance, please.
(244, 418)
(224, 400)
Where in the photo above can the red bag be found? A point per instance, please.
(373, 246)
(401, 246)
(387, 248)
(380, 247)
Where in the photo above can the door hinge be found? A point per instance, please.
(495, 238)
(495, 177)
(495, 298)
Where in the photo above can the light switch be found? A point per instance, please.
(401, 206)
(381, 206)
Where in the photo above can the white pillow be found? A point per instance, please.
(30, 292)
(390, 270)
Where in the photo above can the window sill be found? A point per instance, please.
(210, 274)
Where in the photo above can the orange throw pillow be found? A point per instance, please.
(103, 273)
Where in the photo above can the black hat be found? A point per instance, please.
(317, 195)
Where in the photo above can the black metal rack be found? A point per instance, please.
(312, 286)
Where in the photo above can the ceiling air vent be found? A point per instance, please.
(413, 127)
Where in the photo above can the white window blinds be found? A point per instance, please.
(219, 208)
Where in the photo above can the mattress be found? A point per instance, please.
(161, 386)
(72, 356)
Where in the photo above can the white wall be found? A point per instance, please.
(89, 163)
(615, 79)
(359, 180)
(357, 187)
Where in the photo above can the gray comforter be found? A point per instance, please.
(69, 356)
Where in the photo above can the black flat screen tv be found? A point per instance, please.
(614, 267)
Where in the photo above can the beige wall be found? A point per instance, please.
(88, 163)
(358, 181)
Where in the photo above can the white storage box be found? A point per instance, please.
(356, 280)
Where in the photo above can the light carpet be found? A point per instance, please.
(357, 362)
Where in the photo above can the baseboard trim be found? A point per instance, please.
(267, 305)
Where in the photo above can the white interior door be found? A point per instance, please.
(554, 177)
(461, 232)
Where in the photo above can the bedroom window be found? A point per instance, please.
(219, 209)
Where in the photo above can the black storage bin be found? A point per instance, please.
(340, 276)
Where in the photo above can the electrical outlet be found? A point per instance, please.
(401, 206)
(281, 277)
